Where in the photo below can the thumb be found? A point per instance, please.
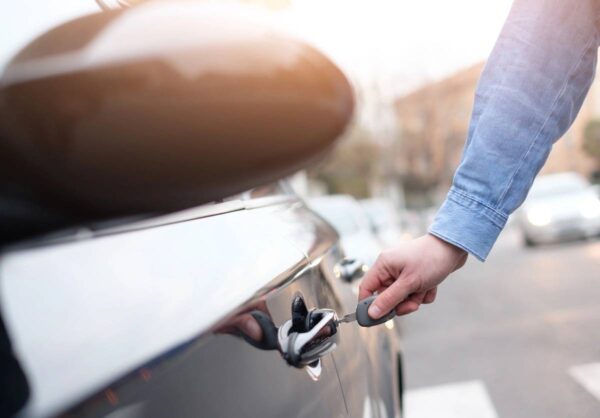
(392, 296)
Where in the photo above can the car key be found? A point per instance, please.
(361, 314)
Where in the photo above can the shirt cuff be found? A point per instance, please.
(467, 223)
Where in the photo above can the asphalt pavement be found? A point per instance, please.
(516, 336)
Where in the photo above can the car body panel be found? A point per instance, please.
(146, 316)
(560, 207)
(143, 309)
(173, 268)
(351, 222)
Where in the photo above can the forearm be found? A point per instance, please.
(529, 93)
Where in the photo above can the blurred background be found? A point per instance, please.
(518, 336)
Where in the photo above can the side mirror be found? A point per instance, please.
(164, 106)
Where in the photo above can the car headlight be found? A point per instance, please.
(539, 217)
(591, 210)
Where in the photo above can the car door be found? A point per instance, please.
(144, 319)
(366, 358)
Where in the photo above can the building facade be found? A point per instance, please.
(434, 121)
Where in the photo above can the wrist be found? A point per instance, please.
(448, 248)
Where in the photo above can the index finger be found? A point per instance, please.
(379, 277)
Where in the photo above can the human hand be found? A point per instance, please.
(245, 324)
(408, 275)
(248, 325)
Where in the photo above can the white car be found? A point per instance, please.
(560, 207)
(346, 215)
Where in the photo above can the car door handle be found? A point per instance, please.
(305, 348)
(350, 269)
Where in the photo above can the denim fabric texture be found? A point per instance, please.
(529, 93)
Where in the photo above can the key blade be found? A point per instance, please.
(348, 318)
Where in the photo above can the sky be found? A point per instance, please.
(399, 43)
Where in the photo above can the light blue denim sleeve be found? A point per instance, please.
(529, 93)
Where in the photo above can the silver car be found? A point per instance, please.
(177, 280)
(560, 207)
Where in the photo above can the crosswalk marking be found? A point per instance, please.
(588, 376)
(456, 400)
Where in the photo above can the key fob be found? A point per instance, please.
(363, 318)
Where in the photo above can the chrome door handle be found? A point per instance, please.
(350, 269)
(306, 348)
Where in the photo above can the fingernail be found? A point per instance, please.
(374, 311)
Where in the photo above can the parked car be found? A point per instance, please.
(146, 270)
(559, 207)
(385, 221)
(349, 219)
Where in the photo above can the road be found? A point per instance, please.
(516, 336)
